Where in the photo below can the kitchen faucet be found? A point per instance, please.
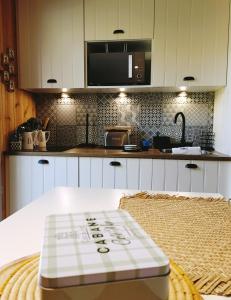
(183, 126)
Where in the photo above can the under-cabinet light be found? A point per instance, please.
(64, 95)
(183, 88)
(122, 95)
(182, 94)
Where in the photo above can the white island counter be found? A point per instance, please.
(21, 233)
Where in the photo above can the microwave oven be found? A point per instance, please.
(116, 68)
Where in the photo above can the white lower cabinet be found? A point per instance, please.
(154, 174)
(103, 172)
(31, 176)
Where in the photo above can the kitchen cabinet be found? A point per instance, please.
(50, 43)
(118, 19)
(190, 43)
(152, 174)
(31, 176)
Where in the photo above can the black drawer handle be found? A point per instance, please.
(115, 163)
(189, 78)
(43, 162)
(191, 166)
(118, 31)
(51, 81)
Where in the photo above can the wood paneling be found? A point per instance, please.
(16, 107)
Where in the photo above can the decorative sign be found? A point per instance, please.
(7, 70)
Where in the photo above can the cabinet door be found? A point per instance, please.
(197, 177)
(184, 176)
(158, 174)
(211, 177)
(19, 182)
(72, 171)
(224, 178)
(171, 175)
(29, 37)
(133, 166)
(145, 174)
(134, 18)
(121, 173)
(96, 172)
(37, 170)
(190, 40)
(51, 46)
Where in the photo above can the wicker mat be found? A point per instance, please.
(18, 281)
(194, 232)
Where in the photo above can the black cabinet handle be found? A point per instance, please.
(115, 163)
(118, 31)
(51, 81)
(191, 166)
(43, 162)
(189, 78)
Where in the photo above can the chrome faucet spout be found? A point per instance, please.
(183, 125)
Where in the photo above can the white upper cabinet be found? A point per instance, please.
(119, 19)
(50, 43)
(190, 40)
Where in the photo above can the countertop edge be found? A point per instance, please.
(151, 154)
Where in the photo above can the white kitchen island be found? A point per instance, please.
(21, 233)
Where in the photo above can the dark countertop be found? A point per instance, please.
(102, 152)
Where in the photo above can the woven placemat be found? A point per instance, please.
(18, 281)
(194, 232)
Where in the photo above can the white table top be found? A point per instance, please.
(21, 233)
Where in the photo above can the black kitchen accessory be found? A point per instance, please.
(161, 142)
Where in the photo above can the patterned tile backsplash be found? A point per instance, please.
(147, 113)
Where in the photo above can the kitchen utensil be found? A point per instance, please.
(28, 140)
(43, 138)
(34, 124)
(45, 123)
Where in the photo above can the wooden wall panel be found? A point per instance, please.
(16, 107)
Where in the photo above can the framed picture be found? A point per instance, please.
(5, 59)
(6, 76)
(11, 69)
(11, 53)
(11, 86)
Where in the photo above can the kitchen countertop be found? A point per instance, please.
(21, 233)
(102, 152)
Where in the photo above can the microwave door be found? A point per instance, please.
(110, 68)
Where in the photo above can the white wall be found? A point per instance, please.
(222, 111)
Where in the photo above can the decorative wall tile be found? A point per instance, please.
(66, 136)
(81, 135)
(66, 114)
(81, 112)
(148, 113)
(107, 114)
(128, 114)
